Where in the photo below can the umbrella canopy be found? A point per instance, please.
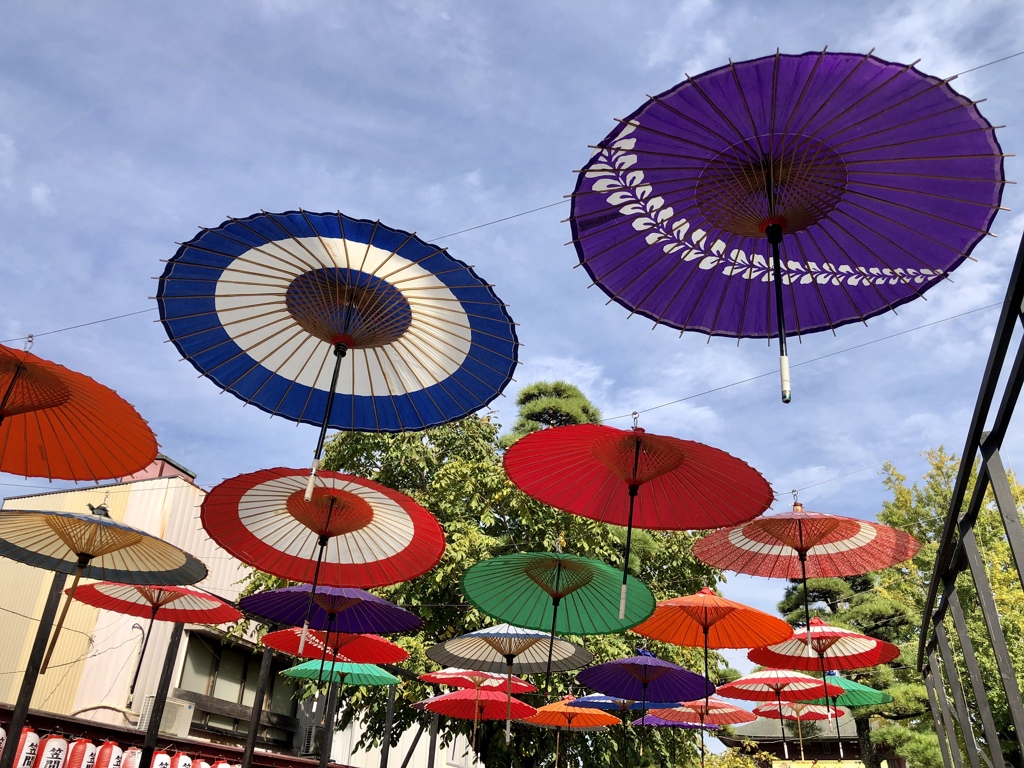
(797, 710)
(471, 678)
(645, 678)
(340, 646)
(93, 546)
(715, 712)
(476, 704)
(340, 609)
(802, 545)
(854, 694)
(565, 714)
(325, 319)
(631, 478)
(353, 533)
(62, 425)
(836, 648)
(788, 194)
(511, 649)
(175, 604)
(164, 603)
(776, 684)
(344, 672)
(566, 593)
(514, 649)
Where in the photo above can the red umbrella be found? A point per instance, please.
(62, 425)
(705, 712)
(843, 648)
(802, 545)
(799, 711)
(339, 646)
(631, 478)
(476, 704)
(471, 678)
(179, 605)
(778, 685)
(353, 533)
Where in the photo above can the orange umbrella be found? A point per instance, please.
(62, 425)
(707, 620)
(562, 715)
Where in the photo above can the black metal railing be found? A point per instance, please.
(966, 725)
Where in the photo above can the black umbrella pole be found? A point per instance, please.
(774, 233)
(142, 653)
(508, 707)
(333, 691)
(782, 726)
(803, 574)
(633, 490)
(707, 678)
(828, 699)
(28, 680)
(312, 592)
(643, 716)
(551, 646)
(339, 352)
(702, 742)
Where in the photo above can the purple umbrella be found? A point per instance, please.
(335, 609)
(787, 194)
(646, 678)
(654, 721)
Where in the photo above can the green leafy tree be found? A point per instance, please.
(550, 404)
(456, 472)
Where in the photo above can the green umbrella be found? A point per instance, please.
(344, 672)
(854, 694)
(556, 592)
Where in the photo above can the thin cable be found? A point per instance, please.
(804, 362)
(989, 64)
(80, 325)
(498, 221)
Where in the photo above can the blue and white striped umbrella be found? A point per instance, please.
(307, 315)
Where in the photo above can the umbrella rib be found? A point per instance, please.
(317, 263)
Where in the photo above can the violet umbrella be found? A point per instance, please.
(645, 678)
(620, 706)
(828, 187)
(653, 721)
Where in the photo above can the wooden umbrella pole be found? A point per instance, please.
(558, 737)
(800, 733)
(83, 561)
(509, 658)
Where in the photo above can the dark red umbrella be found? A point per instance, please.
(477, 704)
(179, 605)
(803, 545)
(337, 646)
(631, 478)
(841, 648)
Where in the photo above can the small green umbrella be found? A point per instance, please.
(344, 672)
(554, 591)
(854, 694)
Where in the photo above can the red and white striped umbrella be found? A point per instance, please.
(471, 678)
(336, 646)
(778, 685)
(712, 711)
(800, 711)
(175, 604)
(353, 532)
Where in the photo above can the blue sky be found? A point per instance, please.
(125, 127)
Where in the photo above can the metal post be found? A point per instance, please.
(974, 675)
(947, 718)
(28, 680)
(257, 706)
(995, 634)
(1007, 507)
(163, 688)
(934, 707)
(959, 702)
(388, 723)
(412, 747)
(327, 744)
(433, 740)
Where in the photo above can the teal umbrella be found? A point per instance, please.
(854, 694)
(344, 672)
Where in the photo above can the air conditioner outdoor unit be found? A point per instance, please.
(176, 720)
(312, 740)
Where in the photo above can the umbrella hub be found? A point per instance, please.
(158, 598)
(618, 453)
(360, 309)
(335, 604)
(88, 537)
(801, 533)
(25, 387)
(559, 577)
(331, 512)
(761, 179)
